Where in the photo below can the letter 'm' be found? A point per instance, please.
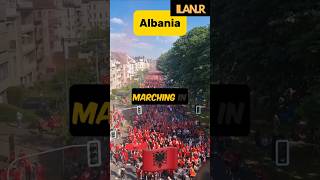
(79, 113)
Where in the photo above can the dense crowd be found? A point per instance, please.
(165, 126)
(24, 169)
(162, 126)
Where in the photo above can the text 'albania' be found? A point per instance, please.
(153, 23)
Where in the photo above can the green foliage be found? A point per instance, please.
(269, 44)
(9, 114)
(309, 109)
(112, 97)
(188, 62)
(93, 38)
(56, 87)
(15, 95)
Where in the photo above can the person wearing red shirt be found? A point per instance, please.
(39, 172)
(22, 162)
(125, 156)
(103, 175)
(139, 173)
(3, 174)
(17, 174)
(28, 169)
(85, 175)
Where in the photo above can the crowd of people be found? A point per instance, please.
(161, 126)
(86, 173)
(24, 169)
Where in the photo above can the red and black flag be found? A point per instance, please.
(160, 159)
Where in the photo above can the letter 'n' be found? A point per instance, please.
(229, 113)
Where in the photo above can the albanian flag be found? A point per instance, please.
(160, 159)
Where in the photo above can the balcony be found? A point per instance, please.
(24, 4)
(11, 12)
(40, 53)
(27, 28)
(27, 48)
(12, 45)
(4, 46)
(4, 56)
(37, 21)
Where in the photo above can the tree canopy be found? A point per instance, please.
(187, 63)
(271, 45)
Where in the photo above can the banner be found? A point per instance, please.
(160, 159)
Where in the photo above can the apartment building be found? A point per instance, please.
(77, 18)
(95, 14)
(8, 16)
(17, 62)
(25, 43)
(124, 68)
(31, 34)
(115, 73)
(142, 63)
(46, 25)
(69, 26)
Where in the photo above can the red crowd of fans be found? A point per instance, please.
(163, 126)
(25, 169)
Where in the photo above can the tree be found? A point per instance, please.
(97, 42)
(187, 63)
(269, 44)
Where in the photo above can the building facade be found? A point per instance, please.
(124, 68)
(32, 33)
(17, 61)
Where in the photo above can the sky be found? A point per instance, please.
(122, 38)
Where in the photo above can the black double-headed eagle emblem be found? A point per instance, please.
(159, 158)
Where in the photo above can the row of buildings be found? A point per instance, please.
(123, 68)
(32, 33)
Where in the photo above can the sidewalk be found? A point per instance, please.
(24, 139)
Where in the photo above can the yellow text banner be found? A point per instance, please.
(158, 23)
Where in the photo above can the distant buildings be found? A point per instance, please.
(31, 33)
(46, 25)
(142, 63)
(124, 68)
(77, 17)
(17, 47)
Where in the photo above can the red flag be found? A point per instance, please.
(160, 159)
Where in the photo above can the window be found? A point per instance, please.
(4, 71)
(30, 77)
(30, 56)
